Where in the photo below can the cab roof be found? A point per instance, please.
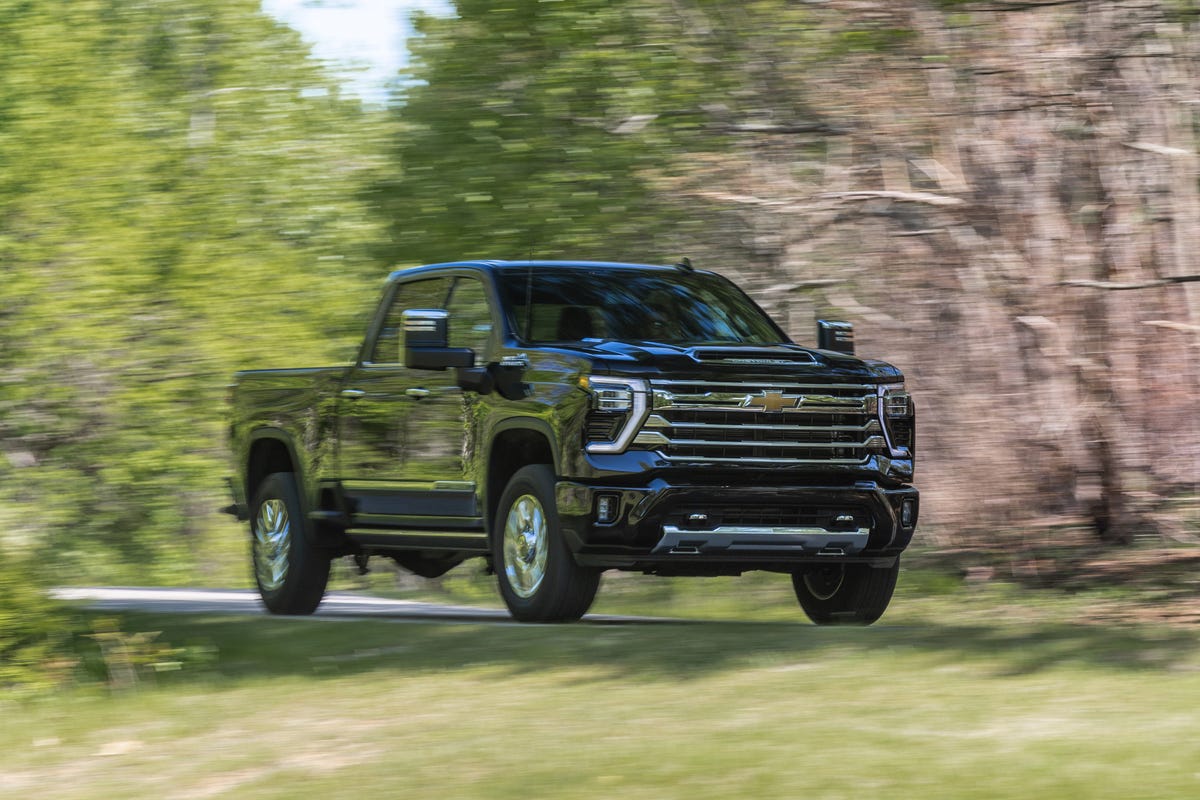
(490, 265)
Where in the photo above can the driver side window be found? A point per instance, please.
(470, 318)
(428, 293)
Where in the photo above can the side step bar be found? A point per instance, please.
(334, 519)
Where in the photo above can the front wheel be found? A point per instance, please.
(845, 594)
(291, 574)
(539, 579)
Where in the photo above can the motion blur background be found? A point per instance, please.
(1002, 196)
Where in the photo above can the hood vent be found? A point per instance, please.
(765, 356)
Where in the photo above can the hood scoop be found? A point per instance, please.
(752, 356)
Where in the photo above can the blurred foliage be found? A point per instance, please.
(184, 193)
(125, 660)
(180, 197)
(35, 650)
(561, 129)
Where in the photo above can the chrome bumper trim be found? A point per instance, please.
(726, 538)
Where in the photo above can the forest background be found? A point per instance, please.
(1001, 195)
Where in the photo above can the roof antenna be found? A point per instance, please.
(685, 264)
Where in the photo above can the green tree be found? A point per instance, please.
(559, 128)
(181, 196)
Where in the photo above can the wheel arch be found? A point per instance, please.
(514, 445)
(272, 450)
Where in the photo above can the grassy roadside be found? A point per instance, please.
(1138, 584)
(962, 692)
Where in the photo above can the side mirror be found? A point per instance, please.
(836, 336)
(426, 341)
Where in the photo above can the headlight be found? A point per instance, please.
(619, 407)
(897, 403)
(611, 395)
(899, 417)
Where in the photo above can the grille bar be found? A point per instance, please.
(806, 404)
(762, 460)
(737, 386)
(658, 421)
(783, 443)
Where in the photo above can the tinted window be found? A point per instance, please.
(560, 304)
(429, 293)
(470, 317)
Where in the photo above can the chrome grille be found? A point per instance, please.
(795, 423)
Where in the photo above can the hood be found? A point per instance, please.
(726, 362)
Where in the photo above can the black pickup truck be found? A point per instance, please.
(562, 419)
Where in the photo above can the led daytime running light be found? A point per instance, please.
(620, 396)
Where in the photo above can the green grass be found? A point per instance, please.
(958, 693)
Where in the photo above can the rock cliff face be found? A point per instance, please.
(1004, 197)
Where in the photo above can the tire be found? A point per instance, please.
(290, 572)
(538, 577)
(845, 594)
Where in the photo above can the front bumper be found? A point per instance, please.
(726, 529)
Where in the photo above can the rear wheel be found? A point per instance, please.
(291, 574)
(538, 577)
(845, 594)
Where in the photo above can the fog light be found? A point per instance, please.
(908, 514)
(607, 506)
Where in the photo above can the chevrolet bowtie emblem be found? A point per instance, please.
(771, 401)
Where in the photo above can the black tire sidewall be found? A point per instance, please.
(308, 569)
(861, 599)
(566, 590)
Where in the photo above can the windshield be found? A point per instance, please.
(574, 304)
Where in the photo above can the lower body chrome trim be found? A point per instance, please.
(743, 538)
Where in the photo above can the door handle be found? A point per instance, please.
(417, 393)
(352, 394)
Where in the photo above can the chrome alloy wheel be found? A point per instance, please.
(272, 544)
(526, 544)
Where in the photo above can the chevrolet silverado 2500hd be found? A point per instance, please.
(559, 419)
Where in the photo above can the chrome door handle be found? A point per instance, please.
(417, 393)
(352, 394)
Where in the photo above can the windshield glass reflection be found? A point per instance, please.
(576, 304)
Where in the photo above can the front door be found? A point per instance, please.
(404, 436)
